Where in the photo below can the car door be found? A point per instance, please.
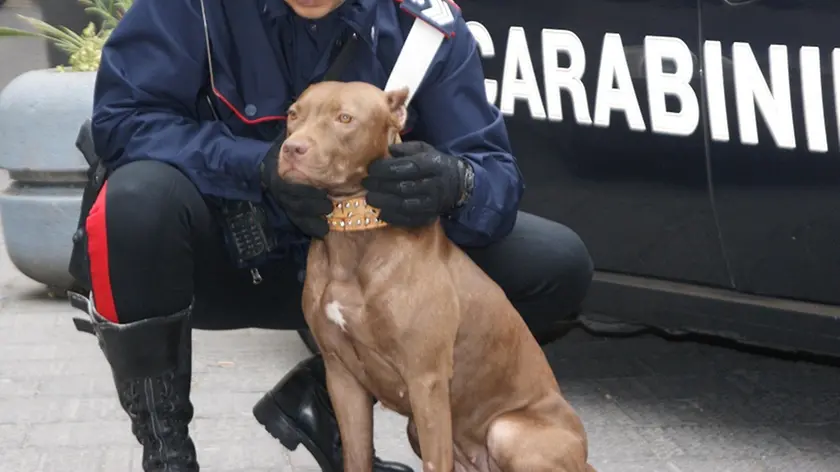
(589, 90)
(773, 79)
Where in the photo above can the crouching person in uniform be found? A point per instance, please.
(183, 224)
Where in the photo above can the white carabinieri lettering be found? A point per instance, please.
(812, 99)
(668, 70)
(558, 78)
(835, 63)
(715, 93)
(614, 69)
(518, 61)
(753, 92)
(658, 50)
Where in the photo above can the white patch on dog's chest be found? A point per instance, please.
(334, 314)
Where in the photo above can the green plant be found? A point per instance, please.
(85, 49)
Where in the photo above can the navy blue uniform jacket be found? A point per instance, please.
(154, 98)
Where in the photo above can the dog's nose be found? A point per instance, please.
(295, 149)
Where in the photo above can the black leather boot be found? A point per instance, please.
(298, 411)
(151, 363)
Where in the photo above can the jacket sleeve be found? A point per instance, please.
(145, 102)
(455, 117)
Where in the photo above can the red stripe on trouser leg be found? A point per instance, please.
(97, 240)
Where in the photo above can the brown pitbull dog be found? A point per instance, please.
(406, 316)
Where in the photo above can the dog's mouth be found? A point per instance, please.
(293, 173)
(297, 174)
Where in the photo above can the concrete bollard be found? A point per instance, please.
(40, 115)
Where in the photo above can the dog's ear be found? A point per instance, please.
(397, 105)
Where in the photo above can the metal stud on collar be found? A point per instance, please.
(363, 217)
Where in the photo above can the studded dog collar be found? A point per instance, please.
(354, 214)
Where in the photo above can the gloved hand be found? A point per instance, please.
(306, 206)
(418, 185)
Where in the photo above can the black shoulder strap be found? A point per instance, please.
(343, 58)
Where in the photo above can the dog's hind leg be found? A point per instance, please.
(523, 441)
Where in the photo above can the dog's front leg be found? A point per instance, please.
(432, 415)
(353, 407)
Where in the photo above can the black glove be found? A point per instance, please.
(306, 206)
(417, 186)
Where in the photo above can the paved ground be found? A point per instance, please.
(649, 405)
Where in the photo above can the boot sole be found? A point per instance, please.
(281, 427)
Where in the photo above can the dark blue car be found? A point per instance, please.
(694, 146)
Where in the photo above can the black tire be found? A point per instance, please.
(307, 338)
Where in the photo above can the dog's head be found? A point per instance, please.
(335, 130)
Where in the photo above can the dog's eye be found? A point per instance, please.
(345, 118)
(292, 115)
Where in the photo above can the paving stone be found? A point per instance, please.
(721, 442)
(58, 409)
(12, 436)
(64, 459)
(605, 465)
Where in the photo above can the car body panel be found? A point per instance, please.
(777, 183)
(689, 233)
(639, 199)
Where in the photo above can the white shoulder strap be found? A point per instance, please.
(421, 45)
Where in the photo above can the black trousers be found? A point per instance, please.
(154, 247)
